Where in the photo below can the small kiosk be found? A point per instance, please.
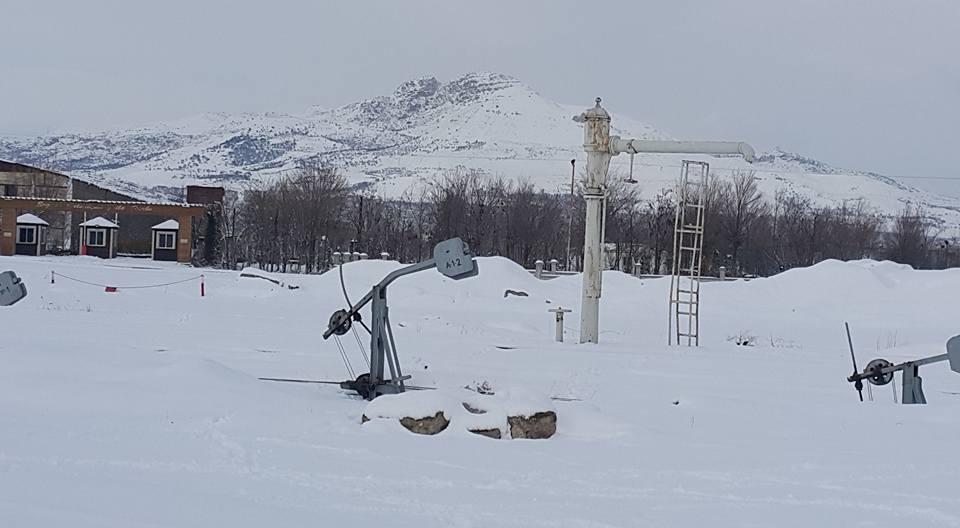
(31, 235)
(99, 238)
(164, 245)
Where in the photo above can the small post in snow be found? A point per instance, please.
(203, 289)
(559, 310)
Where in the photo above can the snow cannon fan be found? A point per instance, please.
(12, 289)
(880, 371)
(451, 258)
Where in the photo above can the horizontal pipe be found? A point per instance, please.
(634, 146)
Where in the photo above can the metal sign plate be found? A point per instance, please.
(454, 260)
(12, 288)
(953, 353)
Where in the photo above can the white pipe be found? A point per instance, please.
(590, 300)
(634, 146)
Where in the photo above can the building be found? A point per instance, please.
(62, 234)
(31, 234)
(99, 237)
(165, 240)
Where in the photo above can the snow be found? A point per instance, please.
(30, 219)
(99, 222)
(143, 407)
(396, 143)
(167, 225)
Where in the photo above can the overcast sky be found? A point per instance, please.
(872, 84)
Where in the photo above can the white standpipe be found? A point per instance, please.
(600, 146)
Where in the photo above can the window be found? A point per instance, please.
(27, 235)
(8, 190)
(96, 237)
(166, 240)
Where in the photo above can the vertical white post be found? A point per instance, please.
(596, 143)
(538, 269)
(559, 311)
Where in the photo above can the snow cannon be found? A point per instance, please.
(880, 372)
(12, 289)
(451, 258)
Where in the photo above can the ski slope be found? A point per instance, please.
(142, 408)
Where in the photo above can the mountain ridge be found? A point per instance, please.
(484, 121)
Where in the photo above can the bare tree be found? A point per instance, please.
(910, 240)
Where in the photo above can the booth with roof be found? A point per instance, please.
(99, 238)
(184, 213)
(164, 245)
(31, 235)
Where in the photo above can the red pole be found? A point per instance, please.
(202, 288)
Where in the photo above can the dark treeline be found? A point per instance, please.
(307, 216)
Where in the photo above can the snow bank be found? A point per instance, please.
(114, 406)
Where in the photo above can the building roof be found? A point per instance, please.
(104, 202)
(169, 225)
(100, 222)
(10, 166)
(29, 219)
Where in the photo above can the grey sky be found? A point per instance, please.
(873, 85)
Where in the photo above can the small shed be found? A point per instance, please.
(99, 237)
(31, 234)
(165, 240)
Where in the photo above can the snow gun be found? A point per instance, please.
(880, 371)
(12, 289)
(451, 258)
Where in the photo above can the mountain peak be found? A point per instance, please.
(417, 88)
(417, 93)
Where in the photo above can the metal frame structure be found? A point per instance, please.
(880, 372)
(450, 257)
(688, 229)
(600, 147)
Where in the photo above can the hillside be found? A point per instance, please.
(484, 121)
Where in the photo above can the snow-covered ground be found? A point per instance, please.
(143, 407)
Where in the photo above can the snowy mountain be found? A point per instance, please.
(484, 121)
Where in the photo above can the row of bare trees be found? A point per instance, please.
(307, 216)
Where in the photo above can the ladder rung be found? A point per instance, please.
(681, 290)
(694, 314)
(686, 335)
(688, 248)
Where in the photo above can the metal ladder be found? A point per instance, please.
(684, 321)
